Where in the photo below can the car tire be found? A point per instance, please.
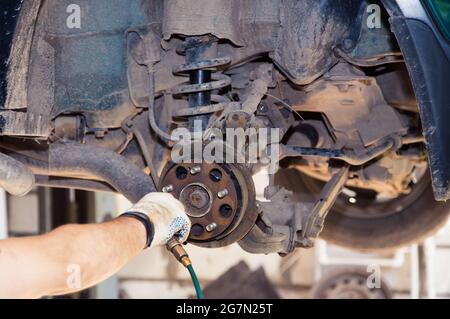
(410, 224)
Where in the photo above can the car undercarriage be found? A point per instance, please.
(92, 102)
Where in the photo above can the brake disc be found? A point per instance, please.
(219, 199)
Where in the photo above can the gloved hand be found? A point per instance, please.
(167, 215)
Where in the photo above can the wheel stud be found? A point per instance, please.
(211, 227)
(195, 170)
(222, 193)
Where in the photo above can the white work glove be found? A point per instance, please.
(167, 215)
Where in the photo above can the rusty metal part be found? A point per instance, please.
(15, 178)
(216, 221)
(322, 206)
(73, 160)
(128, 126)
(205, 64)
(284, 224)
(70, 128)
(380, 60)
(413, 139)
(72, 183)
(202, 87)
(347, 156)
(259, 88)
(356, 112)
(197, 199)
(200, 64)
(202, 110)
(389, 176)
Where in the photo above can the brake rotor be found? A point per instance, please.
(218, 198)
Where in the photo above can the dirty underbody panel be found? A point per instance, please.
(117, 84)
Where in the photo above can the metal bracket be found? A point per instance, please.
(284, 224)
(315, 221)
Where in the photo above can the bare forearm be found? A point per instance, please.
(99, 251)
(70, 258)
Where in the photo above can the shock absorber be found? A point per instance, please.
(201, 63)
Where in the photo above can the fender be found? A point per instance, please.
(427, 54)
(8, 21)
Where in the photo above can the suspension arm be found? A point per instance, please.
(348, 156)
(315, 221)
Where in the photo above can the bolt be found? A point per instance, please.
(167, 189)
(348, 44)
(222, 193)
(199, 199)
(262, 107)
(211, 227)
(195, 170)
(100, 134)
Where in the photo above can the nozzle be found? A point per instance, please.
(177, 249)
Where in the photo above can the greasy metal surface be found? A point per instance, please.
(70, 128)
(194, 88)
(199, 191)
(201, 62)
(205, 64)
(74, 160)
(180, 183)
(322, 206)
(197, 199)
(60, 81)
(353, 104)
(15, 177)
(208, 109)
(347, 156)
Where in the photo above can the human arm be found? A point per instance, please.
(48, 265)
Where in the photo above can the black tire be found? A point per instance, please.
(411, 223)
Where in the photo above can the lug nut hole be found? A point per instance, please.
(197, 230)
(181, 172)
(225, 210)
(215, 175)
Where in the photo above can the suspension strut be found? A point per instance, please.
(201, 62)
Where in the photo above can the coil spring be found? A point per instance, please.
(218, 81)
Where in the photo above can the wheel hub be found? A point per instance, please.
(197, 199)
(218, 198)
